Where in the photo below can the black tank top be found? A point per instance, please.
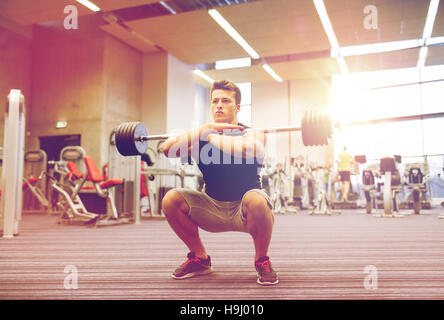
(227, 177)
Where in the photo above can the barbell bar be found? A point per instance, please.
(131, 138)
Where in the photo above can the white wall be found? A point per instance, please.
(154, 92)
(170, 98)
(122, 89)
(201, 105)
(180, 95)
(15, 62)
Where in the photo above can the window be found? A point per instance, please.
(387, 94)
(432, 96)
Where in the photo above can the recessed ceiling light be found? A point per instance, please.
(325, 20)
(232, 63)
(430, 20)
(89, 5)
(201, 74)
(376, 48)
(422, 57)
(233, 33)
(272, 73)
(166, 6)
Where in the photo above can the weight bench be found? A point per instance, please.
(74, 173)
(143, 184)
(102, 187)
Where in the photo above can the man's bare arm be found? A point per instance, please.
(180, 145)
(250, 145)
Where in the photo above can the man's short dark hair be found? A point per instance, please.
(229, 86)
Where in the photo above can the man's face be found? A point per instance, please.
(224, 107)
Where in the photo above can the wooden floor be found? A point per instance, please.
(317, 257)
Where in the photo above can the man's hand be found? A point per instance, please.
(251, 144)
(216, 128)
(180, 145)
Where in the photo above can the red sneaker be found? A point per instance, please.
(266, 276)
(193, 267)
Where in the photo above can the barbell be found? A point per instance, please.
(131, 138)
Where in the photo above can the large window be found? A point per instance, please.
(387, 94)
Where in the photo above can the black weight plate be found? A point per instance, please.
(138, 131)
(127, 137)
(121, 143)
(130, 138)
(129, 144)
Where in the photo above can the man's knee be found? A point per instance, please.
(174, 202)
(254, 205)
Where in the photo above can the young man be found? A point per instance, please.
(230, 160)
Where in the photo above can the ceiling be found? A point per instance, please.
(288, 34)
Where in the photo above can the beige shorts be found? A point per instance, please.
(217, 216)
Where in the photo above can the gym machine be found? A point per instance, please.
(323, 205)
(369, 176)
(278, 190)
(12, 164)
(68, 202)
(392, 187)
(63, 180)
(416, 175)
(34, 182)
(77, 202)
(298, 190)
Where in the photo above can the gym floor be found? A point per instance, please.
(347, 256)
